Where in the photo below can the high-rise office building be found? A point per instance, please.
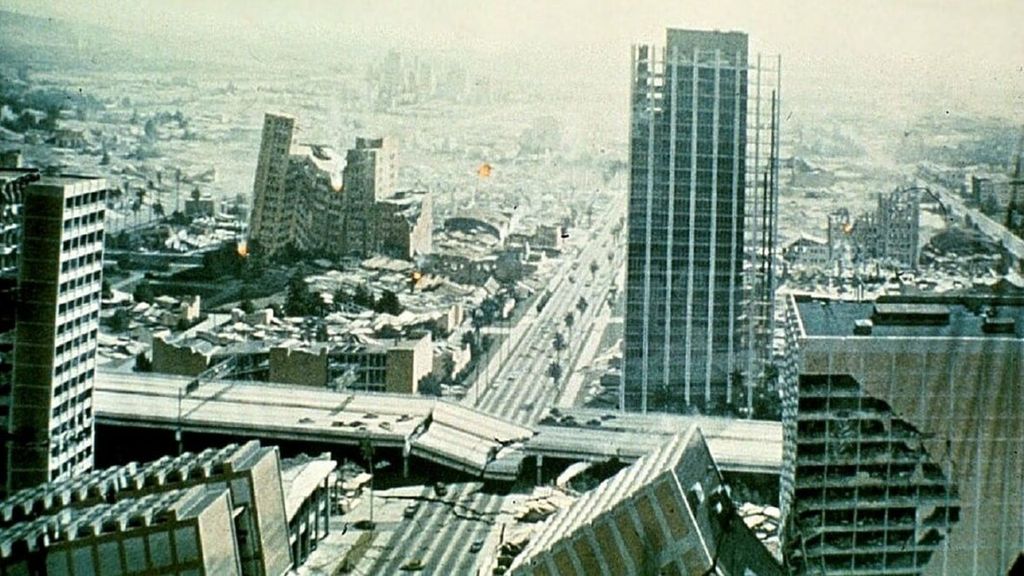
(701, 223)
(56, 303)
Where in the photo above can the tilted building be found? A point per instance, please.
(903, 435)
(307, 198)
(701, 222)
(667, 513)
(176, 532)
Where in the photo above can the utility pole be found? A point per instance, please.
(182, 392)
(367, 448)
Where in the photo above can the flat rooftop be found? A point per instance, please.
(943, 317)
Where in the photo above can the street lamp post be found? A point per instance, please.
(183, 391)
(367, 448)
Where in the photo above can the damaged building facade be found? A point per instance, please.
(902, 435)
(891, 232)
(307, 198)
(236, 510)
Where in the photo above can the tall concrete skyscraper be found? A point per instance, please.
(700, 222)
(56, 303)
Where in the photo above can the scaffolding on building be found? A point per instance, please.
(753, 221)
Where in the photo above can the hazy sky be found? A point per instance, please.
(964, 50)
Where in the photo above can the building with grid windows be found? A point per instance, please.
(230, 510)
(701, 223)
(56, 304)
(903, 453)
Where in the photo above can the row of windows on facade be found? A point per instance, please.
(66, 466)
(72, 305)
(79, 340)
(85, 219)
(132, 555)
(73, 324)
(705, 178)
(656, 324)
(723, 208)
(657, 290)
(684, 134)
(72, 403)
(677, 334)
(655, 320)
(723, 222)
(80, 261)
(663, 116)
(637, 256)
(83, 240)
(69, 446)
(83, 417)
(684, 76)
(85, 199)
(705, 156)
(73, 363)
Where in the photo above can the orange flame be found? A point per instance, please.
(484, 171)
(243, 248)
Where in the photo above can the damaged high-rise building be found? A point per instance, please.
(306, 197)
(891, 232)
(702, 204)
(902, 436)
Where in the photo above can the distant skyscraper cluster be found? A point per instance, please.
(702, 199)
(51, 285)
(305, 198)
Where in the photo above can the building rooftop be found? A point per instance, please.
(102, 485)
(936, 317)
(301, 476)
(100, 519)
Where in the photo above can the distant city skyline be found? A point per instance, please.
(902, 49)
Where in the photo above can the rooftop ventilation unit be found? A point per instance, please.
(910, 314)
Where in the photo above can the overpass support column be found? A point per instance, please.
(406, 451)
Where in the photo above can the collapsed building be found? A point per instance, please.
(668, 513)
(305, 197)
